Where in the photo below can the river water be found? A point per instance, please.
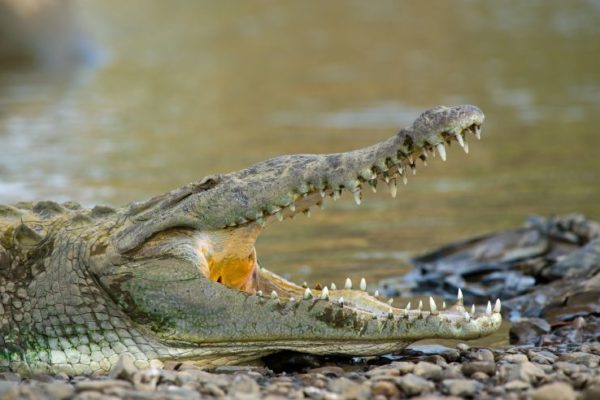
(179, 90)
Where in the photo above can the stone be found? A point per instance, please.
(566, 367)
(385, 388)
(487, 367)
(526, 372)
(461, 387)
(124, 368)
(517, 385)
(463, 347)
(579, 357)
(592, 391)
(480, 376)
(404, 367)
(101, 385)
(58, 390)
(330, 370)
(514, 358)
(10, 376)
(412, 385)
(349, 389)
(9, 390)
(482, 355)
(243, 387)
(213, 390)
(554, 391)
(384, 370)
(528, 330)
(428, 370)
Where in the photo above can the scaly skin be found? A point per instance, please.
(176, 277)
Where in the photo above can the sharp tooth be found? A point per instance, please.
(292, 207)
(333, 287)
(478, 132)
(321, 205)
(432, 305)
(497, 306)
(307, 212)
(376, 294)
(348, 284)
(373, 184)
(386, 178)
(261, 222)
(363, 284)
(390, 301)
(420, 305)
(466, 147)
(473, 309)
(259, 293)
(443, 305)
(307, 294)
(304, 284)
(459, 298)
(274, 295)
(325, 293)
(357, 197)
(337, 194)
(467, 316)
(322, 193)
(279, 216)
(390, 313)
(459, 139)
(442, 150)
(408, 306)
(292, 299)
(488, 309)
(393, 188)
(413, 167)
(341, 301)
(404, 179)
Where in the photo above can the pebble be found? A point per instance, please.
(412, 384)
(461, 387)
(554, 391)
(554, 371)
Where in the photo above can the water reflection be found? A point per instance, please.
(192, 88)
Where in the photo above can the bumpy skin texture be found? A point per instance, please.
(176, 277)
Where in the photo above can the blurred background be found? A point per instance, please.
(106, 101)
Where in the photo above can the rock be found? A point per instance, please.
(579, 357)
(592, 392)
(462, 347)
(404, 367)
(383, 371)
(146, 379)
(201, 377)
(517, 385)
(541, 356)
(124, 368)
(461, 387)
(213, 390)
(58, 390)
(554, 391)
(482, 355)
(428, 370)
(526, 372)
(412, 384)
(349, 389)
(101, 385)
(9, 390)
(243, 387)
(480, 376)
(10, 376)
(566, 367)
(487, 367)
(330, 371)
(514, 358)
(385, 388)
(528, 330)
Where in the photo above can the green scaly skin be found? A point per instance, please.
(81, 287)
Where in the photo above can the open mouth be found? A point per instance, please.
(231, 257)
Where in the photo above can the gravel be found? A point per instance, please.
(556, 371)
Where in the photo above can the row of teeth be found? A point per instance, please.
(433, 308)
(370, 176)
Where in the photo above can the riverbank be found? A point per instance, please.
(558, 372)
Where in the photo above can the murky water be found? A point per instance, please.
(189, 88)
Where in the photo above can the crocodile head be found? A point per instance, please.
(185, 267)
(177, 278)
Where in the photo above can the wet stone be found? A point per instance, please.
(554, 391)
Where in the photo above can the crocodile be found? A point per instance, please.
(176, 277)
